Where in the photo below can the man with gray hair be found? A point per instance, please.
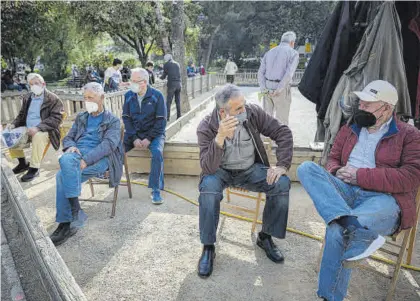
(172, 70)
(91, 148)
(144, 116)
(233, 154)
(275, 74)
(41, 113)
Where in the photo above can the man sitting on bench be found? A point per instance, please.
(92, 147)
(233, 154)
(368, 187)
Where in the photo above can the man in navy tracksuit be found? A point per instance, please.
(144, 116)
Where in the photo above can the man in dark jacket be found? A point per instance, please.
(42, 113)
(233, 154)
(172, 70)
(144, 116)
(368, 187)
(91, 148)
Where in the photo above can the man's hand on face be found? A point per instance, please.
(274, 174)
(348, 174)
(33, 131)
(226, 129)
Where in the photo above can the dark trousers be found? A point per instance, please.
(171, 93)
(230, 78)
(253, 179)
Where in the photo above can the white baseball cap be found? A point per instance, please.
(379, 90)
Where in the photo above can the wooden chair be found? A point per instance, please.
(246, 194)
(62, 135)
(97, 181)
(402, 242)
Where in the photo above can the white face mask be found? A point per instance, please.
(91, 107)
(135, 87)
(37, 90)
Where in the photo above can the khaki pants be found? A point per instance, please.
(39, 143)
(279, 106)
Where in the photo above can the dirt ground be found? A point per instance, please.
(150, 252)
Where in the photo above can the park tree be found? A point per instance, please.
(178, 49)
(132, 22)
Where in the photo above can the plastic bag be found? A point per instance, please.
(15, 138)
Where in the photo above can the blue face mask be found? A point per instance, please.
(241, 117)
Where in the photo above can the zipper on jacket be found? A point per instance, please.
(255, 145)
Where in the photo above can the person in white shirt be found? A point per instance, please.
(275, 74)
(113, 77)
(230, 71)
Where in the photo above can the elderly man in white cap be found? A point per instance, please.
(275, 75)
(368, 187)
(172, 70)
(42, 114)
(92, 147)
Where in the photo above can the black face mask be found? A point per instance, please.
(365, 119)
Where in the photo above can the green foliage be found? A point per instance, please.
(3, 63)
(131, 63)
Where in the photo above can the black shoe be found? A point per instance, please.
(205, 265)
(62, 233)
(30, 175)
(21, 167)
(270, 249)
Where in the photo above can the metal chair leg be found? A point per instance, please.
(397, 269)
(114, 203)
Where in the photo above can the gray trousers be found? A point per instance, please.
(279, 106)
(253, 179)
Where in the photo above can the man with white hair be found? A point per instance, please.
(91, 148)
(233, 154)
(144, 116)
(172, 70)
(41, 113)
(275, 75)
(368, 187)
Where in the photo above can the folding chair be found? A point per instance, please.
(407, 239)
(94, 181)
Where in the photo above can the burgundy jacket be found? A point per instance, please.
(397, 169)
(258, 122)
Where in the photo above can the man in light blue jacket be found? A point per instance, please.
(91, 148)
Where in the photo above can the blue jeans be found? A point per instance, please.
(156, 177)
(253, 179)
(334, 198)
(69, 182)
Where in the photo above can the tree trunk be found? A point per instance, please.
(162, 30)
(178, 49)
(209, 49)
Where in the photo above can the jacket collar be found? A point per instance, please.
(392, 130)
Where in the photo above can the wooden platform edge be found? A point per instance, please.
(183, 159)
